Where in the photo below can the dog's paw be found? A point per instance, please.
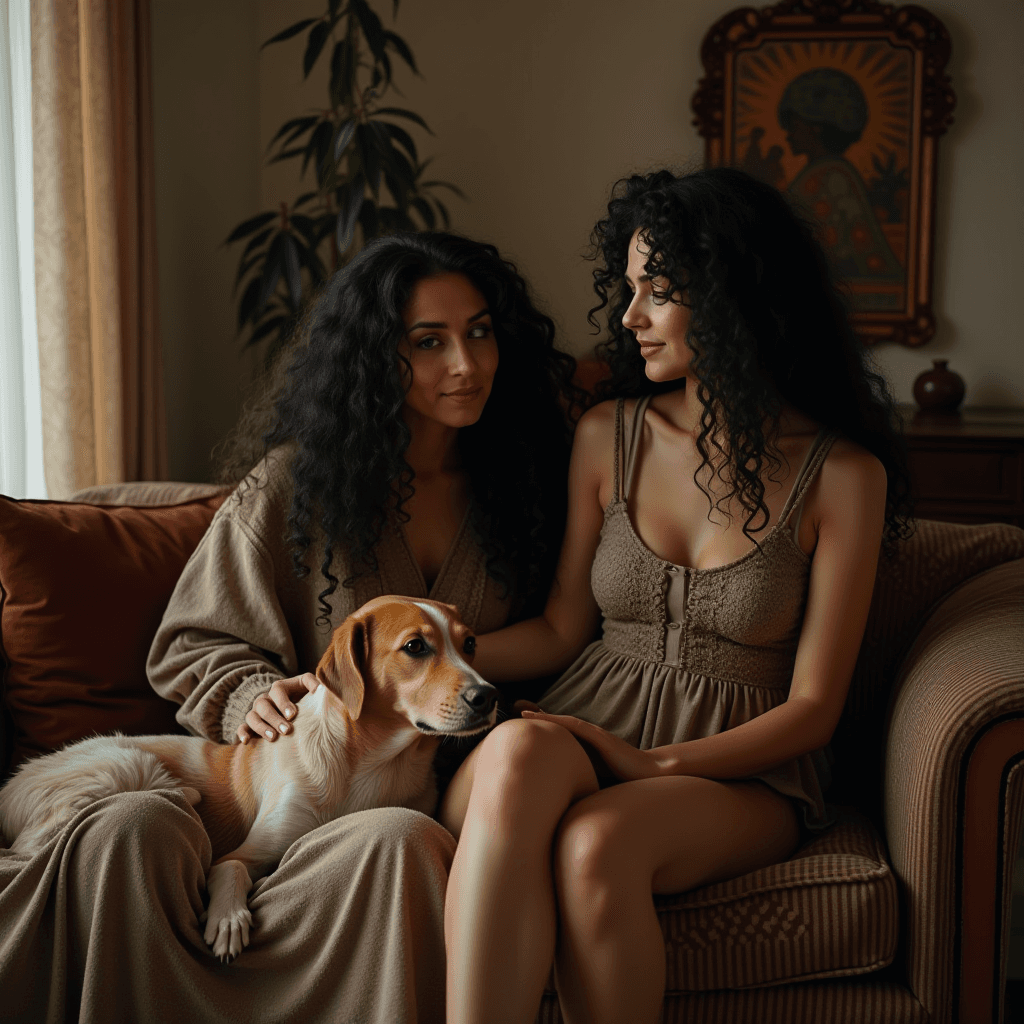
(228, 934)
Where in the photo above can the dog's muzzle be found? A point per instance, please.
(481, 698)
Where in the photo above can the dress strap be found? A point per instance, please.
(632, 448)
(619, 403)
(813, 461)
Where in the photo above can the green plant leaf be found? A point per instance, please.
(344, 64)
(271, 271)
(288, 154)
(345, 132)
(297, 125)
(292, 271)
(318, 35)
(247, 307)
(304, 225)
(292, 30)
(401, 47)
(443, 210)
(401, 136)
(399, 178)
(373, 30)
(318, 146)
(424, 209)
(265, 328)
(312, 262)
(394, 219)
(368, 221)
(249, 226)
(408, 114)
(369, 144)
(333, 6)
(246, 265)
(444, 184)
(256, 241)
(347, 218)
(306, 197)
(402, 169)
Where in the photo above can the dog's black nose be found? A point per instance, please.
(481, 697)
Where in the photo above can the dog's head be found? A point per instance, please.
(408, 657)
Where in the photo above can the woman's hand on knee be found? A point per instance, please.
(271, 712)
(623, 760)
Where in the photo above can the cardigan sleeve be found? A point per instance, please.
(224, 637)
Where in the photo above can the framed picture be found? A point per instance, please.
(840, 104)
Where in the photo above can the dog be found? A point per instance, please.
(394, 680)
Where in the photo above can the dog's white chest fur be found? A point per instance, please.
(397, 771)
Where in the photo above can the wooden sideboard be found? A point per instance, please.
(967, 467)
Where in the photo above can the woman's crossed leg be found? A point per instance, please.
(617, 848)
(504, 806)
(532, 822)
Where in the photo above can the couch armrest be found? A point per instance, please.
(956, 728)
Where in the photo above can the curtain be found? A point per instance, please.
(21, 425)
(95, 244)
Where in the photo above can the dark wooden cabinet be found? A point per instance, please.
(967, 467)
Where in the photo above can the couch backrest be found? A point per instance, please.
(937, 559)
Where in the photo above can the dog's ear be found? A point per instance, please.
(341, 668)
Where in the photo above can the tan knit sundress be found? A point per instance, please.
(688, 652)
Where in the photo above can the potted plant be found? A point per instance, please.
(369, 177)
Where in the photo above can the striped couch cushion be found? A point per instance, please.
(828, 911)
(861, 1002)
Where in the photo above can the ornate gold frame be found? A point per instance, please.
(897, 56)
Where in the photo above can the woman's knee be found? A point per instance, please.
(595, 862)
(521, 753)
(395, 834)
(158, 822)
(149, 846)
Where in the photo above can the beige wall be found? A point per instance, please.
(537, 107)
(206, 117)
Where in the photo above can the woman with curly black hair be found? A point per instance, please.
(414, 443)
(726, 512)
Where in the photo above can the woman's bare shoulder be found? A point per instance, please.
(596, 426)
(852, 475)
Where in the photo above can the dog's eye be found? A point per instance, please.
(416, 647)
(469, 646)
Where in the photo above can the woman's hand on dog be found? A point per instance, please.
(271, 712)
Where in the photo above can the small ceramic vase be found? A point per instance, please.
(939, 389)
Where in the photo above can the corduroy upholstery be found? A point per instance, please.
(765, 927)
(964, 676)
(810, 1003)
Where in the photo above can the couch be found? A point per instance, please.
(899, 913)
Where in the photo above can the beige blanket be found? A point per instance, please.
(103, 925)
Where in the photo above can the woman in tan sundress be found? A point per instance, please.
(725, 517)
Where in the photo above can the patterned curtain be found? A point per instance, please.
(95, 244)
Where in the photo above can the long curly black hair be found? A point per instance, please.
(336, 395)
(768, 327)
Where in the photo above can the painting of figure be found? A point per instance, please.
(829, 122)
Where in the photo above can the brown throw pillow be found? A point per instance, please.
(82, 590)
